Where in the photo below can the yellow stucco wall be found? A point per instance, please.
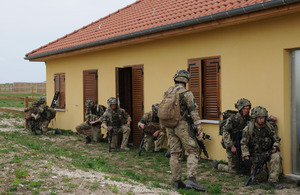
(254, 61)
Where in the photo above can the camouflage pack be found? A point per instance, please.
(169, 108)
(50, 113)
(225, 115)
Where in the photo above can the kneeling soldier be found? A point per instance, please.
(116, 120)
(260, 139)
(149, 123)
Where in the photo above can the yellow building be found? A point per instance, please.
(233, 50)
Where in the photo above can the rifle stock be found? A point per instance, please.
(54, 100)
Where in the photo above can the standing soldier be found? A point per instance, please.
(231, 138)
(179, 136)
(116, 120)
(93, 113)
(149, 123)
(260, 138)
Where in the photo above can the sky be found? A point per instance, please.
(26, 25)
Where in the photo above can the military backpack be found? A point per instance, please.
(49, 113)
(169, 108)
(225, 115)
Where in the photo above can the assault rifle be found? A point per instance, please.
(202, 145)
(258, 167)
(141, 142)
(55, 98)
(33, 126)
(109, 137)
(237, 136)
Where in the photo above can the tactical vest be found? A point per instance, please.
(261, 140)
(152, 123)
(238, 124)
(115, 119)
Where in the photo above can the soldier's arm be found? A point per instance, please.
(143, 121)
(276, 139)
(127, 117)
(192, 107)
(245, 141)
(104, 120)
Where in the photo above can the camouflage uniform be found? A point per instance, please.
(41, 119)
(258, 141)
(28, 114)
(86, 129)
(232, 135)
(152, 125)
(180, 137)
(117, 120)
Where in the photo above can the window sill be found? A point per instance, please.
(59, 109)
(210, 121)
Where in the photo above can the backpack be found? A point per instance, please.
(225, 115)
(169, 108)
(50, 113)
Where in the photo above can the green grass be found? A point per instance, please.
(17, 103)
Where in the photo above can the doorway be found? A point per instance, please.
(130, 96)
(90, 87)
(295, 110)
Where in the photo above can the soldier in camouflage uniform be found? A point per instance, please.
(28, 114)
(42, 121)
(149, 123)
(260, 137)
(92, 126)
(232, 135)
(180, 136)
(116, 119)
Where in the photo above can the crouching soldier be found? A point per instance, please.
(88, 128)
(30, 121)
(149, 123)
(116, 120)
(43, 117)
(260, 143)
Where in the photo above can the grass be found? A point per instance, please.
(17, 103)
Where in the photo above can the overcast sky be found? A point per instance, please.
(26, 25)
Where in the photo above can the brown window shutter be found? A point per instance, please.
(56, 87)
(195, 82)
(211, 89)
(137, 101)
(62, 103)
(90, 87)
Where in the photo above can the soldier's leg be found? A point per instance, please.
(191, 146)
(96, 132)
(224, 167)
(45, 127)
(160, 141)
(81, 129)
(148, 142)
(274, 169)
(176, 149)
(126, 132)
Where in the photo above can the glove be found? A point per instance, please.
(248, 162)
(275, 149)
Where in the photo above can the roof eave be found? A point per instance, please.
(217, 16)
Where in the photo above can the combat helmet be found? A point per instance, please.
(241, 103)
(89, 103)
(182, 76)
(35, 104)
(111, 101)
(41, 100)
(155, 108)
(259, 111)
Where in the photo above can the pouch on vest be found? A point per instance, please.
(51, 113)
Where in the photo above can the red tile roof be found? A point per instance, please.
(141, 15)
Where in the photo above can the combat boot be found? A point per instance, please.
(276, 185)
(88, 140)
(125, 148)
(193, 184)
(58, 132)
(179, 185)
(215, 164)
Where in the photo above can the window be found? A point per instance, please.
(59, 85)
(204, 84)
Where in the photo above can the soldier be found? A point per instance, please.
(149, 123)
(28, 114)
(43, 118)
(232, 135)
(92, 126)
(117, 120)
(179, 137)
(260, 137)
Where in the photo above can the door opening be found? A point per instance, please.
(130, 95)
